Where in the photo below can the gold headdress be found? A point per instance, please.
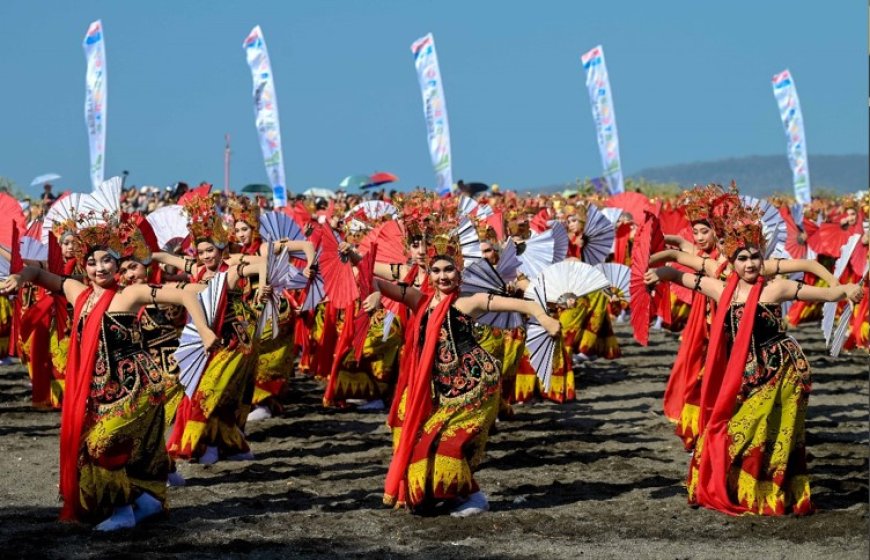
(741, 228)
(698, 203)
(120, 236)
(243, 210)
(435, 220)
(204, 222)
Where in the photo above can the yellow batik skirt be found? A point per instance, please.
(374, 376)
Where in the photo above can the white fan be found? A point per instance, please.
(389, 317)
(611, 213)
(106, 198)
(64, 209)
(598, 235)
(829, 310)
(278, 272)
(313, 286)
(191, 355)
(619, 277)
(168, 223)
(275, 226)
(33, 250)
(536, 253)
(570, 279)
(540, 345)
(373, 210)
(5, 268)
(773, 226)
(469, 242)
(842, 332)
(467, 205)
(560, 242)
(482, 277)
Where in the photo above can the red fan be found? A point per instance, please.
(538, 224)
(300, 214)
(15, 263)
(34, 231)
(674, 222)
(796, 247)
(647, 240)
(496, 222)
(13, 219)
(362, 321)
(632, 202)
(337, 270)
(828, 240)
(388, 238)
(202, 190)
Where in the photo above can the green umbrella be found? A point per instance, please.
(257, 188)
(355, 181)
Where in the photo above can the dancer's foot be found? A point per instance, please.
(474, 505)
(245, 456)
(210, 457)
(260, 412)
(375, 405)
(622, 317)
(658, 324)
(146, 506)
(175, 479)
(579, 358)
(122, 518)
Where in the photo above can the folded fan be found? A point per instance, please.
(842, 331)
(169, 224)
(483, 277)
(598, 235)
(105, 198)
(191, 355)
(64, 209)
(469, 241)
(619, 278)
(365, 279)
(571, 279)
(539, 344)
(536, 253)
(829, 309)
(313, 285)
(277, 226)
(278, 271)
(772, 223)
(647, 240)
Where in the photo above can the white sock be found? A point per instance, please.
(122, 518)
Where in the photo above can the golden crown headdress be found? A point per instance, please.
(242, 209)
(436, 220)
(698, 203)
(119, 235)
(741, 229)
(204, 222)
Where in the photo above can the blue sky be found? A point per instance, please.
(690, 80)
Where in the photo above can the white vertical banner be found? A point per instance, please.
(266, 113)
(786, 95)
(435, 110)
(598, 84)
(95, 99)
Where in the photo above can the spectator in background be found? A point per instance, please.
(47, 196)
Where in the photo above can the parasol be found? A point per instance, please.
(352, 181)
(380, 178)
(257, 188)
(43, 179)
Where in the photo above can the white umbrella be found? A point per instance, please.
(42, 179)
(322, 193)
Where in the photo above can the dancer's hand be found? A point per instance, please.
(372, 302)
(210, 340)
(651, 278)
(11, 284)
(344, 248)
(853, 292)
(552, 326)
(306, 272)
(264, 293)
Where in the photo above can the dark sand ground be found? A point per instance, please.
(598, 478)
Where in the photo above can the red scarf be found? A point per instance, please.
(418, 405)
(723, 376)
(79, 370)
(340, 350)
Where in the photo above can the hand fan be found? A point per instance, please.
(106, 198)
(632, 202)
(365, 279)
(829, 309)
(64, 209)
(13, 218)
(372, 210)
(483, 277)
(337, 270)
(598, 236)
(842, 331)
(33, 250)
(469, 241)
(536, 253)
(313, 286)
(278, 272)
(647, 240)
(611, 214)
(571, 279)
(560, 242)
(539, 344)
(191, 355)
(772, 223)
(619, 277)
(389, 239)
(168, 223)
(202, 190)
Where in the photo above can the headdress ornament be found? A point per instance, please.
(204, 222)
(243, 210)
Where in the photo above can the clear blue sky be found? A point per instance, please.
(691, 81)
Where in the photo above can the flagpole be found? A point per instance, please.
(227, 164)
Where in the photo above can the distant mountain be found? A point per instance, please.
(763, 175)
(757, 175)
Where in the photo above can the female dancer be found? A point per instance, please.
(443, 413)
(750, 456)
(112, 456)
(209, 426)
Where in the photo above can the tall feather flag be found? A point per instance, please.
(785, 91)
(598, 84)
(435, 110)
(95, 99)
(266, 113)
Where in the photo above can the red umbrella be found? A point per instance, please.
(381, 178)
(632, 202)
(828, 240)
(647, 240)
